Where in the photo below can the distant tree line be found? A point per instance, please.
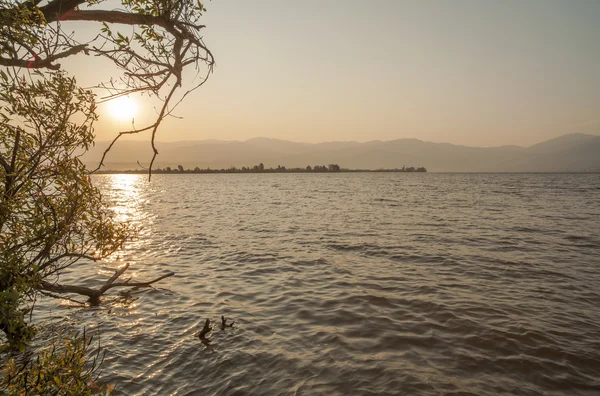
(260, 168)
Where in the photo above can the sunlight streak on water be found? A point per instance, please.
(124, 191)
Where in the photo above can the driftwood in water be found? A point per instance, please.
(225, 324)
(205, 330)
(95, 294)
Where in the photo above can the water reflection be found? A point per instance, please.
(127, 197)
(124, 193)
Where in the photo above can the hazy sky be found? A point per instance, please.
(473, 72)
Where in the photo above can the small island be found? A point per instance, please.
(260, 168)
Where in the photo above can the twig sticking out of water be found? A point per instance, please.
(205, 330)
(224, 323)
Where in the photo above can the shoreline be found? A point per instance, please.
(237, 171)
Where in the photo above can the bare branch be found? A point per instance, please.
(136, 284)
(117, 273)
(205, 330)
(224, 323)
(5, 164)
(95, 294)
(132, 132)
(45, 293)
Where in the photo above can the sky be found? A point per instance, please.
(471, 72)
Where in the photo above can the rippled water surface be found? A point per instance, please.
(421, 284)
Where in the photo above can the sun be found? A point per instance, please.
(122, 108)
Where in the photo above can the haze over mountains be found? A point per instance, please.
(567, 153)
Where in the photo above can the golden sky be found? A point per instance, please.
(472, 72)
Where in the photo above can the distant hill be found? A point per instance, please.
(568, 153)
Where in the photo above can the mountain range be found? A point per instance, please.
(567, 153)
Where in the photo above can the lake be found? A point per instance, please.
(361, 283)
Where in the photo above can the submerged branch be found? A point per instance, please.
(95, 294)
(205, 330)
(45, 293)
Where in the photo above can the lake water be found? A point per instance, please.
(366, 283)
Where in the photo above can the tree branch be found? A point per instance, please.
(95, 294)
(132, 132)
(40, 63)
(125, 18)
(117, 273)
(205, 330)
(135, 284)
(55, 9)
(45, 293)
(5, 164)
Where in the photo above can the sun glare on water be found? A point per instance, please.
(122, 108)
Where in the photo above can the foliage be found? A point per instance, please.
(64, 367)
(160, 40)
(51, 216)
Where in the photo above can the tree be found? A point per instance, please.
(161, 39)
(51, 216)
